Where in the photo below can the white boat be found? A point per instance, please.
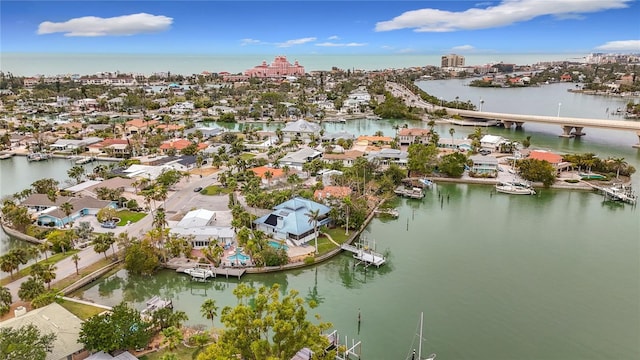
(426, 182)
(418, 356)
(515, 188)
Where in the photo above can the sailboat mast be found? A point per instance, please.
(420, 340)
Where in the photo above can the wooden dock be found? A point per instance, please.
(202, 273)
(616, 192)
(413, 193)
(364, 255)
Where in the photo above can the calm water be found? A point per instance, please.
(553, 276)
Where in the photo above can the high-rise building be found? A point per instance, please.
(452, 60)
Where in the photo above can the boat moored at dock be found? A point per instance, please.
(515, 188)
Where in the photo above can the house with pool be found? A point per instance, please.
(289, 221)
(50, 213)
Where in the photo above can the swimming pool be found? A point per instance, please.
(277, 245)
(238, 258)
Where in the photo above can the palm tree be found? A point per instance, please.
(451, 132)
(618, 164)
(67, 208)
(48, 274)
(76, 258)
(268, 175)
(76, 172)
(347, 208)
(209, 310)
(313, 216)
(172, 337)
(44, 248)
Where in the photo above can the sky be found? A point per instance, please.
(320, 27)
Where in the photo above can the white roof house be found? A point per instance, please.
(298, 158)
(199, 224)
(301, 128)
(52, 318)
(491, 141)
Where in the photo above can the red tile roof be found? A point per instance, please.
(545, 155)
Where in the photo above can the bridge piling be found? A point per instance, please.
(566, 131)
(578, 131)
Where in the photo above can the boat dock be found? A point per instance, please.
(202, 273)
(413, 193)
(6, 156)
(85, 160)
(156, 303)
(364, 255)
(616, 192)
(387, 212)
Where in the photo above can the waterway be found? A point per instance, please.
(552, 276)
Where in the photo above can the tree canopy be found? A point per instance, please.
(24, 343)
(266, 325)
(120, 329)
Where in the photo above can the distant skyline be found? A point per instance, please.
(320, 27)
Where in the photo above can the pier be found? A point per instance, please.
(616, 192)
(202, 273)
(364, 255)
(413, 192)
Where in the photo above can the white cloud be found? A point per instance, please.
(293, 42)
(332, 44)
(621, 45)
(334, 37)
(503, 14)
(114, 26)
(245, 42)
(463, 48)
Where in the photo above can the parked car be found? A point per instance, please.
(108, 224)
(197, 189)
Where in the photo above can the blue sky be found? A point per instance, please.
(320, 27)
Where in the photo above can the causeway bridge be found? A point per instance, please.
(570, 126)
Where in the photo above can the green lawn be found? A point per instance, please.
(247, 156)
(181, 351)
(82, 311)
(324, 245)
(215, 190)
(337, 234)
(127, 215)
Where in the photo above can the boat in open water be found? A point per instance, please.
(515, 188)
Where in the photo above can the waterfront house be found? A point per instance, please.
(289, 221)
(407, 136)
(484, 165)
(200, 226)
(386, 157)
(491, 142)
(50, 213)
(301, 129)
(207, 132)
(368, 140)
(332, 137)
(554, 159)
(119, 148)
(52, 319)
(297, 159)
(68, 145)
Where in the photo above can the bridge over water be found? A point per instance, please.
(570, 126)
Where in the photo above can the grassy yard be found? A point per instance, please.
(215, 190)
(337, 234)
(26, 271)
(82, 311)
(247, 156)
(324, 245)
(126, 215)
(181, 351)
